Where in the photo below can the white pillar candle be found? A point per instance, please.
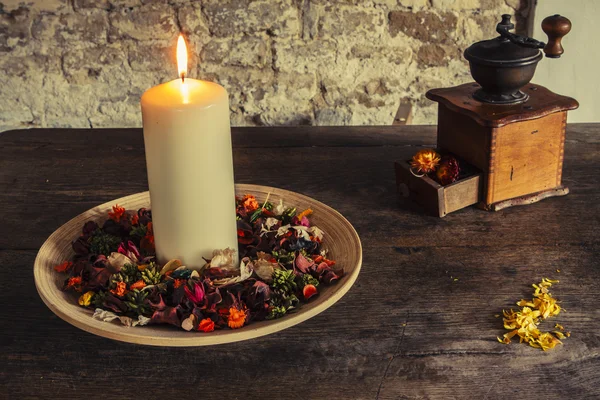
(190, 167)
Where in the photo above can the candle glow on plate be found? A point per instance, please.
(190, 167)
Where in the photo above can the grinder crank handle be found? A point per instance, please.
(556, 27)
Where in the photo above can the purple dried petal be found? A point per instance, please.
(167, 316)
(196, 295)
(303, 264)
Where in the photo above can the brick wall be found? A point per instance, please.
(85, 63)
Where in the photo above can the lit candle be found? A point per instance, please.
(190, 167)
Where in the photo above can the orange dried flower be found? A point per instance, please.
(117, 213)
(120, 290)
(135, 219)
(64, 267)
(74, 283)
(149, 234)
(236, 318)
(249, 202)
(304, 213)
(425, 161)
(206, 325)
(138, 285)
(178, 283)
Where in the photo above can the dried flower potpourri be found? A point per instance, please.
(282, 265)
(443, 169)
(524, 323)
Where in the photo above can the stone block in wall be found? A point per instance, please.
(79, 5)
(245, 51)
(77, 103)
(150, 22)
(153, 58)
(414, 4)
(235, 17)
(333, 116)
(193, 22)
(87, 65)
(457, 5)
(65, 28)
(343, 21)
(304, 56)
(425, 26)
(45, 6)
(14, 28)
(432, 55)
(117, 115)
(382, 52)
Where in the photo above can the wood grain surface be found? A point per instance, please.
(418, 323)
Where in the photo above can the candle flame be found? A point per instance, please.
(182, 58)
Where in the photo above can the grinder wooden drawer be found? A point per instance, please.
(438, 200)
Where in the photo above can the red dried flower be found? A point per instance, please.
(64, 267)
(309, 291)
(135, 219)
(448, 170)
(206, 325)
(117, 213)
(149, 234)
(74, 283)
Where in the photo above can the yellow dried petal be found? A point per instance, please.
(524, 322)
(550, 281)
(559, 326)
(559, 334)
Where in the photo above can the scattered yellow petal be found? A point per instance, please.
(559, 334)
(559, 326)
(557, 270)
(524, 322)
(497, 315)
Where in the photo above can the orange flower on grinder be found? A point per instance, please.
(425, 161)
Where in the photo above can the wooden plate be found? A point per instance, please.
(341, 240)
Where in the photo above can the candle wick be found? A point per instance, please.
(182, 77)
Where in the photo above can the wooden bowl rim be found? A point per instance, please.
(72, 313)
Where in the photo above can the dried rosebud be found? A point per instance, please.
(144, 216)
(447, 171)
(425, 161)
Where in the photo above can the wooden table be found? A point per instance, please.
(418, 323)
